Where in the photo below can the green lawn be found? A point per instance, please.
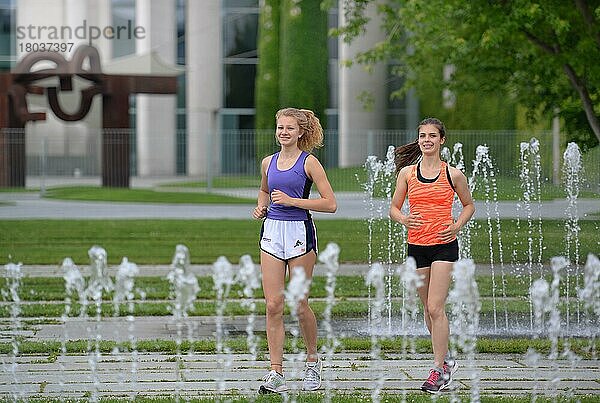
(357, 344)
(158, 288)
(342, 309)
(154, 241)
(96, 193)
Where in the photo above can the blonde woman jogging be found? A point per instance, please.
(288, 236)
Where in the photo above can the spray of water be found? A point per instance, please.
(124, 293)
(558, 264)
(590, 295)
(184, 288)
(249, 278)
(464, 240)
(540, 299)
(464, 299)
(296, 291)
(572, 170)
(530, 175)
(375, 279)
(329, 257)
(411, 281)
(13, 276)
(74, 287)
(445, 154)
(222, 282)
(373, 168)
(483, 171)
(98, 283)
(532, 359)
(389, 179)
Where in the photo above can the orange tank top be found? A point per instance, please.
(432, 198)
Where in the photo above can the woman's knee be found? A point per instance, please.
(435, 310)
(303, 309)
(274, 306)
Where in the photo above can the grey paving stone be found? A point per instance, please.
(498, 375)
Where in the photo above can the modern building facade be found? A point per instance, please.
(211, 45)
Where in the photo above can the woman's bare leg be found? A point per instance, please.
(439, 283)
(273, 282)
(423, 292)
(306, 316)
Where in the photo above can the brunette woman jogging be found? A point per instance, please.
(430, 184)
(288, 237)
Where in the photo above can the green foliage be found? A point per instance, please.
(292, 70)
(267, 76)
(304, 57)
(578, 131)
(485, 111)
(540, 53)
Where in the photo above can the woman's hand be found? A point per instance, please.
(412, 221)
(449, 233)
(279, 197)
(259, 212)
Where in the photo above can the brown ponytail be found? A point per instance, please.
(406, 155)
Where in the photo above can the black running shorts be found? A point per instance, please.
(425, 255)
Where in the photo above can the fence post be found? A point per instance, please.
(370, 143)
(209, 161)
(43, 166)
(556, 149)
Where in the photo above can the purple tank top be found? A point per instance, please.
(294, 182)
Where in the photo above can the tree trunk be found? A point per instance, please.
(584, 95)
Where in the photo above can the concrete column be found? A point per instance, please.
(100, 15)
(204, 85)
(354, 120)
(75, 13)
(156, 114)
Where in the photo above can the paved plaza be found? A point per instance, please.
(209, 375)
(201, 375)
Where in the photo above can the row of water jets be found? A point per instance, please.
(463, 298)
(184, 290)
(386, 241)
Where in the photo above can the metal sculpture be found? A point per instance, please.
(114, 88)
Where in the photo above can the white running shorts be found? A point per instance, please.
(286, 240)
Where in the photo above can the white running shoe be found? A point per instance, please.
(312, 376)
(273, 383)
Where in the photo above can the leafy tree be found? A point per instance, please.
(293, 60)
(544, 53)
(267, 76)
(304, 56)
